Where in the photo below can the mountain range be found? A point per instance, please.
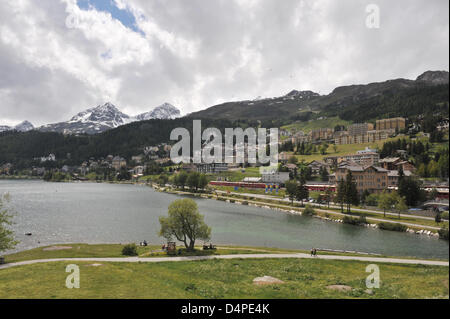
(107, 116)
(357, 102)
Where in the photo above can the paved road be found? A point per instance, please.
(237, 256)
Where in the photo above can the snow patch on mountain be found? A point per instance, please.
(25, 126)
(107, 116)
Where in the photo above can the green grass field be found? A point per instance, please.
(223, 279)
(315, 124)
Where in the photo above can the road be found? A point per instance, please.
(236, 256)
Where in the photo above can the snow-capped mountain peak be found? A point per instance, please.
(107, 116)
(25, 126)
(165, 111)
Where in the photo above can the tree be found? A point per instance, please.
(400, 205)
(438, 217)
(410, 189)
(184, 223)
(328, 194)
(301, 191)
(351, 192)
(7, 240)
(180, 179)
(385, 202)
(323, 174)
(202, 181)
(291, 190)
(192, 180)
(323, 149)
(335, 148)
(341, 193)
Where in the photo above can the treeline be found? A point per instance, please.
(429, 163)
(21, 148)
(393, 102)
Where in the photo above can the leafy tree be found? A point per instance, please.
(184, 223)
(400, 204)
(410, 189)
(291, 190)
(386, 202)
(438, 217)
(341, 193)
(7, 240)
(328, 195)
(323, 172)
(309, 211)
(202, 181)
(192, 180)
(301, 191)
(351, 192)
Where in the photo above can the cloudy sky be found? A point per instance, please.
(59, 57)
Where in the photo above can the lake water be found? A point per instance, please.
(110, 213)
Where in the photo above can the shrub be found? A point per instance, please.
(232, 201)
(129, 250)
(444, 215)
(355, 221)
(309, 211)
(392, 227)
(443, 233)
(438, 218)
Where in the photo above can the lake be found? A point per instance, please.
(113, 213)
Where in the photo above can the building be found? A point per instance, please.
(284, 157)
(390, 163)
(365, 159)
(322, 134)
(276, 178)
(406, 166)
(370, 178)
(118, 162)
(367, 150)
(315, 167)
(212, 168)
(359, 129)
(393, 177)
(398, 123)
(369, 137)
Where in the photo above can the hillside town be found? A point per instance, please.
(372, 170)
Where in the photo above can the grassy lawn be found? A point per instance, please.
(315, 124)
(115, 250)
(306, 278)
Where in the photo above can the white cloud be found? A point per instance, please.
(197, 53)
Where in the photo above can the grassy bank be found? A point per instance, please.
(306, 278)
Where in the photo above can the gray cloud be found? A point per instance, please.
(199, 53)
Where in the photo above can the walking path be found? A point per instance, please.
(341, 214)
(325, 205)
(237, 256)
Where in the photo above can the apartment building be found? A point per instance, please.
(371, 178)
(397, 123)
(359, 128)
(322, 134)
